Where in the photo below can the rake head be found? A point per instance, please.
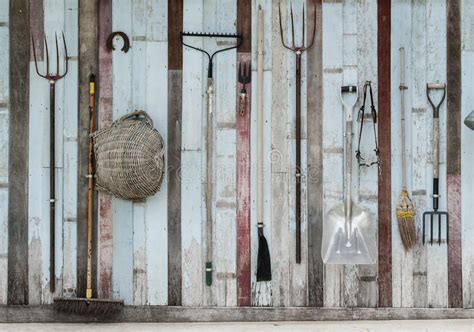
(293, 46)
(431, 217)
(57, 75)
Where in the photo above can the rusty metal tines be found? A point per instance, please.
(293, 47)
(48, 75)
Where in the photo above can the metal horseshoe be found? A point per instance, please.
(126, 41)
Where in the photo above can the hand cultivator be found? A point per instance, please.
(245, 76)
(298, 50)
(209, 135)
(431, 216)
(52, 77)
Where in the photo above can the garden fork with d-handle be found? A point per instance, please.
(298, 50)
(52, 79)
(435, 214)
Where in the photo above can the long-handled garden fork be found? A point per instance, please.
(436, 215)
(298, 50)
(52, 79)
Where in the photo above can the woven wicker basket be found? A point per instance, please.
(129, 157)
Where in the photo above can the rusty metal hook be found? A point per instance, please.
(126, 41)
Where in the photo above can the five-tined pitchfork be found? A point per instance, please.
(52, 78)
(298, 50)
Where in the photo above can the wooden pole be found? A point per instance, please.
(18, 152)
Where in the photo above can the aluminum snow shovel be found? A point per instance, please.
(348, 231)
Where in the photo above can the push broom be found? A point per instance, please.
(88, 305)
(405, 211)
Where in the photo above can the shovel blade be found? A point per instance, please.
(359, 248)
(469, 121)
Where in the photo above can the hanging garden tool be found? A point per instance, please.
(52, 79)
(348, 231)
(209, 135)
(439, 216)
(88, 305)
(405, 210)
(360, 159)
(245, 77)
(264, 268)
(298, 50)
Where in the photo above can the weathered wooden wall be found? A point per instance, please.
(153, 252)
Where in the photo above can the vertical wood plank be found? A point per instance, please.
(453, 159)
(297, 271)
(402, 260)
(315, 161)
(225, 148)
(88, 58)
(175, 90)
(262, 291)
(122, 211)
(54, 19)
(138, 96)
(384, 129)
(70, 154)
(191, 163)
(37, 226)
(156, 214)
(350, 22)
(279, 166)
(467, 153)
(88, 64)
(244, 21)
(333, 120)
(437, 264)
(420, 146)
(105, 93)
(4, 135)
(19, 55)
(243, 191)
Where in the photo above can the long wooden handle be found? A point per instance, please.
(52, 187)
(90, 177)
(209, 184)
(260, 154)
(402, 113)
(298, 173)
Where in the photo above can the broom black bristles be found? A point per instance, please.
(83, 306)
(264, 268)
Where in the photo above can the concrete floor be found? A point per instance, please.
(359, 326)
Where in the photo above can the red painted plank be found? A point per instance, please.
(244, 293)
(384, 180)
(243, 196)
(105, 245)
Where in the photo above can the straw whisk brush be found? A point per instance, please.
(406, 220)
(405, 210)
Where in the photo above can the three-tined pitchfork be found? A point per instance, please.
(298, 50)
(52, 79)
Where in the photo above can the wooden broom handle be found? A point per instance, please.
(90, 177)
